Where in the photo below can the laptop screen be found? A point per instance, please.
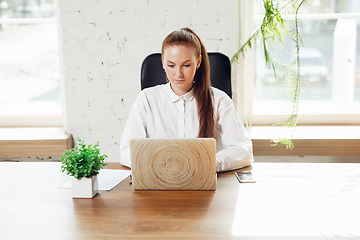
(173, 164)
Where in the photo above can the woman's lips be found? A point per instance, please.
(179, 80)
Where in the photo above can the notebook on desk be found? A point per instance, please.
(173, 164)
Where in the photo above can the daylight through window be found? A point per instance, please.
(29, 62)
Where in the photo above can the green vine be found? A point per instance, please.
(273, 28)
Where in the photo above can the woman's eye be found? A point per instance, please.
(187, 65)
(171, 66)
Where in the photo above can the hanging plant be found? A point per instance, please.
(274, 27)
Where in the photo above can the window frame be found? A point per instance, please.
(245, 78)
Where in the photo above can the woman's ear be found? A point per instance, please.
(199, 62)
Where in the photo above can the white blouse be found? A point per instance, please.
(159, 113)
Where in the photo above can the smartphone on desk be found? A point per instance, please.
(245, 177)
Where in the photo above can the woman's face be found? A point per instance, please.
(180, 64)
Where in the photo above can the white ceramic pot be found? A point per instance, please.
(84, 187)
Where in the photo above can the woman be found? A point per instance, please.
(187, 106)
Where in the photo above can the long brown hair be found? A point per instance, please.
(202, 86)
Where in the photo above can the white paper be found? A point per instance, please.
(107, 179)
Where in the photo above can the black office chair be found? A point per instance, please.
(152, 72)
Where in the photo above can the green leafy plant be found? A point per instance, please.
(273, 28)
(83, 161)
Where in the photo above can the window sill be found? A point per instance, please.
(307, 140)
(34, 142)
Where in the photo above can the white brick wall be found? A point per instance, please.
(104, 43)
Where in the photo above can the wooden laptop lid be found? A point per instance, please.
(173, 164)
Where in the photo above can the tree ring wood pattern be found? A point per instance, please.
(173, 164)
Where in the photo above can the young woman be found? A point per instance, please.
(187, 106)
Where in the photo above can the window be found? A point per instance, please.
(29, 63)
(329, 67)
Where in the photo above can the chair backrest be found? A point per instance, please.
(152, 72)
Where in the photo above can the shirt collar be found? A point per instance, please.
(174, 98)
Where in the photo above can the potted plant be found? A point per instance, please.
(83, 163)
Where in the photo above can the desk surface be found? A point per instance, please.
(289, 201)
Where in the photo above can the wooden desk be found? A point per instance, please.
(289, 201)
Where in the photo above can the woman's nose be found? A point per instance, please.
(179, 72)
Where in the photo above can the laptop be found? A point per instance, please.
(173, 164)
